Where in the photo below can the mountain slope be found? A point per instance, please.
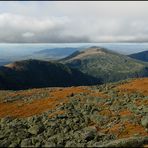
(4, 62)
(143, 56)
(108, 115)
(105, 64)
(36, 73)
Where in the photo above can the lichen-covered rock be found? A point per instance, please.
(6, 120)
(50, 132)
(145, 109)
(35, 129)
(144, 122)
(85, 122)
(49, 144)
(5, 143)
(14, 144)
(26, 143)
(126, 142)
(71, 144)
(89, 133)
(22, 134)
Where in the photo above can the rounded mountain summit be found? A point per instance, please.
(105, 64)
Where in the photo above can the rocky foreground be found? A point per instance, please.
(109, 115)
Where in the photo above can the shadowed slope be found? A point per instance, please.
(143, 56)
(35, 73)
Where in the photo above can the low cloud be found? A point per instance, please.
(28, 34)
(18, 28)
(56, 22)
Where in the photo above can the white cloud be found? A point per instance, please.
(88, 21)
(28, 34)
(19, 28)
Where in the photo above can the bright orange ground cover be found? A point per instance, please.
(22, 109)
(138, 85)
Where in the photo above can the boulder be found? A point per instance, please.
(26, 143)
(35, 129)
(71, 144)
(89, 133)
(126, 142)
(49, 144)
(5, 143)
(144, 122)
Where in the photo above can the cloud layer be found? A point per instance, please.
(64, 22)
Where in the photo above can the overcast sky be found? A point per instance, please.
(64, 22)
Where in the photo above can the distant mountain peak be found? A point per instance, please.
(54, 53)
(96, 49)
(89, 52)
(143, 56)
(105, 64)
(18, 65)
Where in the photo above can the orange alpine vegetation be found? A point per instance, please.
(21, 109)
(141, 102)
(98, 94)
(126, 113)
(138, 85)
(106, 113)
(57, 97)
(127, 129)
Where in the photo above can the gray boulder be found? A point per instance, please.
(89, 133)
(126, 142)
(26, 143)
(35, 129)
(144, 122)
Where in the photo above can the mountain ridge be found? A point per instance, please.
(53, 53)
(37, 73)
(143, 56)
(105, 64)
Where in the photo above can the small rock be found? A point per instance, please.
(50, 132)
(6, 120)
(38, 144)
(71, 144)
(76, 120)
(36, 129)
(22, 134)
(5, 143)
(66, 129)
(26, 143)
(144, 122)
(89, 133)
(13, 144)
(126, 142)
(61, 116)
(50, 144)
